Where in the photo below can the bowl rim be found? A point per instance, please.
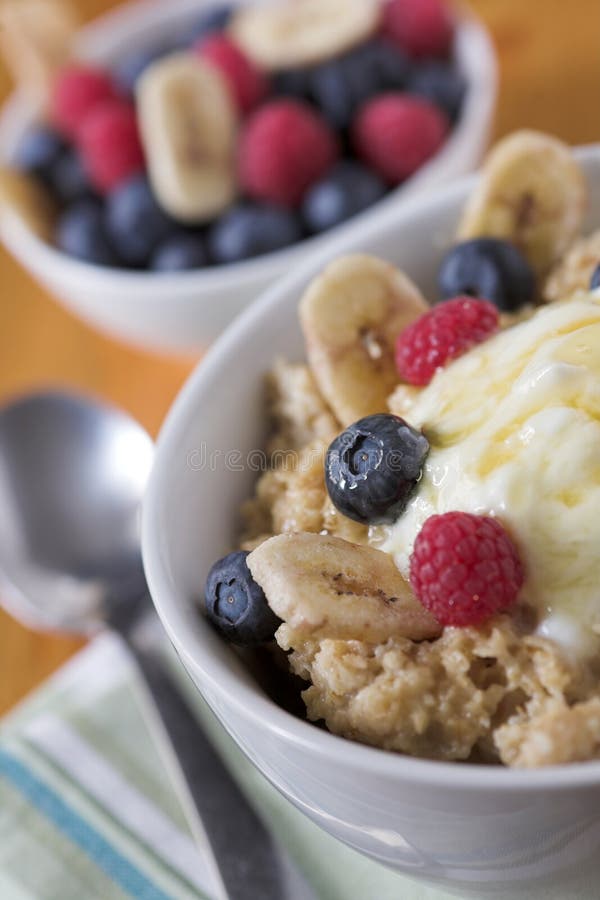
(247, 700)
(19, 110)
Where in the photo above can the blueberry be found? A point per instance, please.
(252, 230)
(215, 19)
(236, 604)
(334, 94)
(348, 189)
(442, 84)
(69, 179)
(293, 83)
(128, 70)
(372, 468)
(182, 250)
(595, 279)
(39, 151)
(389, 68)
(488, 268)
(80, 232)
(135, 222)
(340, 86)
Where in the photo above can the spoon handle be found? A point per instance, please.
(250, 865)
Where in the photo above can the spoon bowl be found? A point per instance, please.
(72, 476)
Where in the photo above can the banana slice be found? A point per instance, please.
(188, 127)
(351, 316)
(305, 32)
(22, 197)
(531, 192)
(325, 587)
(574, 272)
(36, 39)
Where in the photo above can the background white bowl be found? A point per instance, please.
(480, 831)
(183, 312)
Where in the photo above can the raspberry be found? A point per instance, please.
(440, 335)
(284, 149)
(396, 133)
(76, 92)
(248, 84)
(110, 145)
(465, 568)
(419, 27)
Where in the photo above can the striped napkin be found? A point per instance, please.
(88, 810)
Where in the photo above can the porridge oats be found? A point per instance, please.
(424, 545)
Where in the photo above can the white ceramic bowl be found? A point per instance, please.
(185, 311)
(480, 831)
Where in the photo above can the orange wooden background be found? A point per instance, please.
(550, 79)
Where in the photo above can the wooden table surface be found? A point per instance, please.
(550, 79)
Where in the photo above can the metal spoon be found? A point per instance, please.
(72, 477)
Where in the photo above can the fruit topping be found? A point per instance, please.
(351, 315)
(465, 568)
(251, 230)
(214, 20)
(134, 64)
(441, 335)
(488, 268)
(531, 192)
(239, 106)
(77, 90)
(305, 32)
(135, 222)
(110, 146)
(373, 467)
(236, 604)
(248, 84)
(340, 86)
(295, 83)
(328, 588)
(81, 233)
(39, 151)
(442, 84)
(346, 190)
(36, 38)
(182, 250)
(396, 133)
(422, 28)
(283, 150)
(69, 179)
(188, 124)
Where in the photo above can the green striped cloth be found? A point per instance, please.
(88, 810)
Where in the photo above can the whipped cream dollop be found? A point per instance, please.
(514, 428)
